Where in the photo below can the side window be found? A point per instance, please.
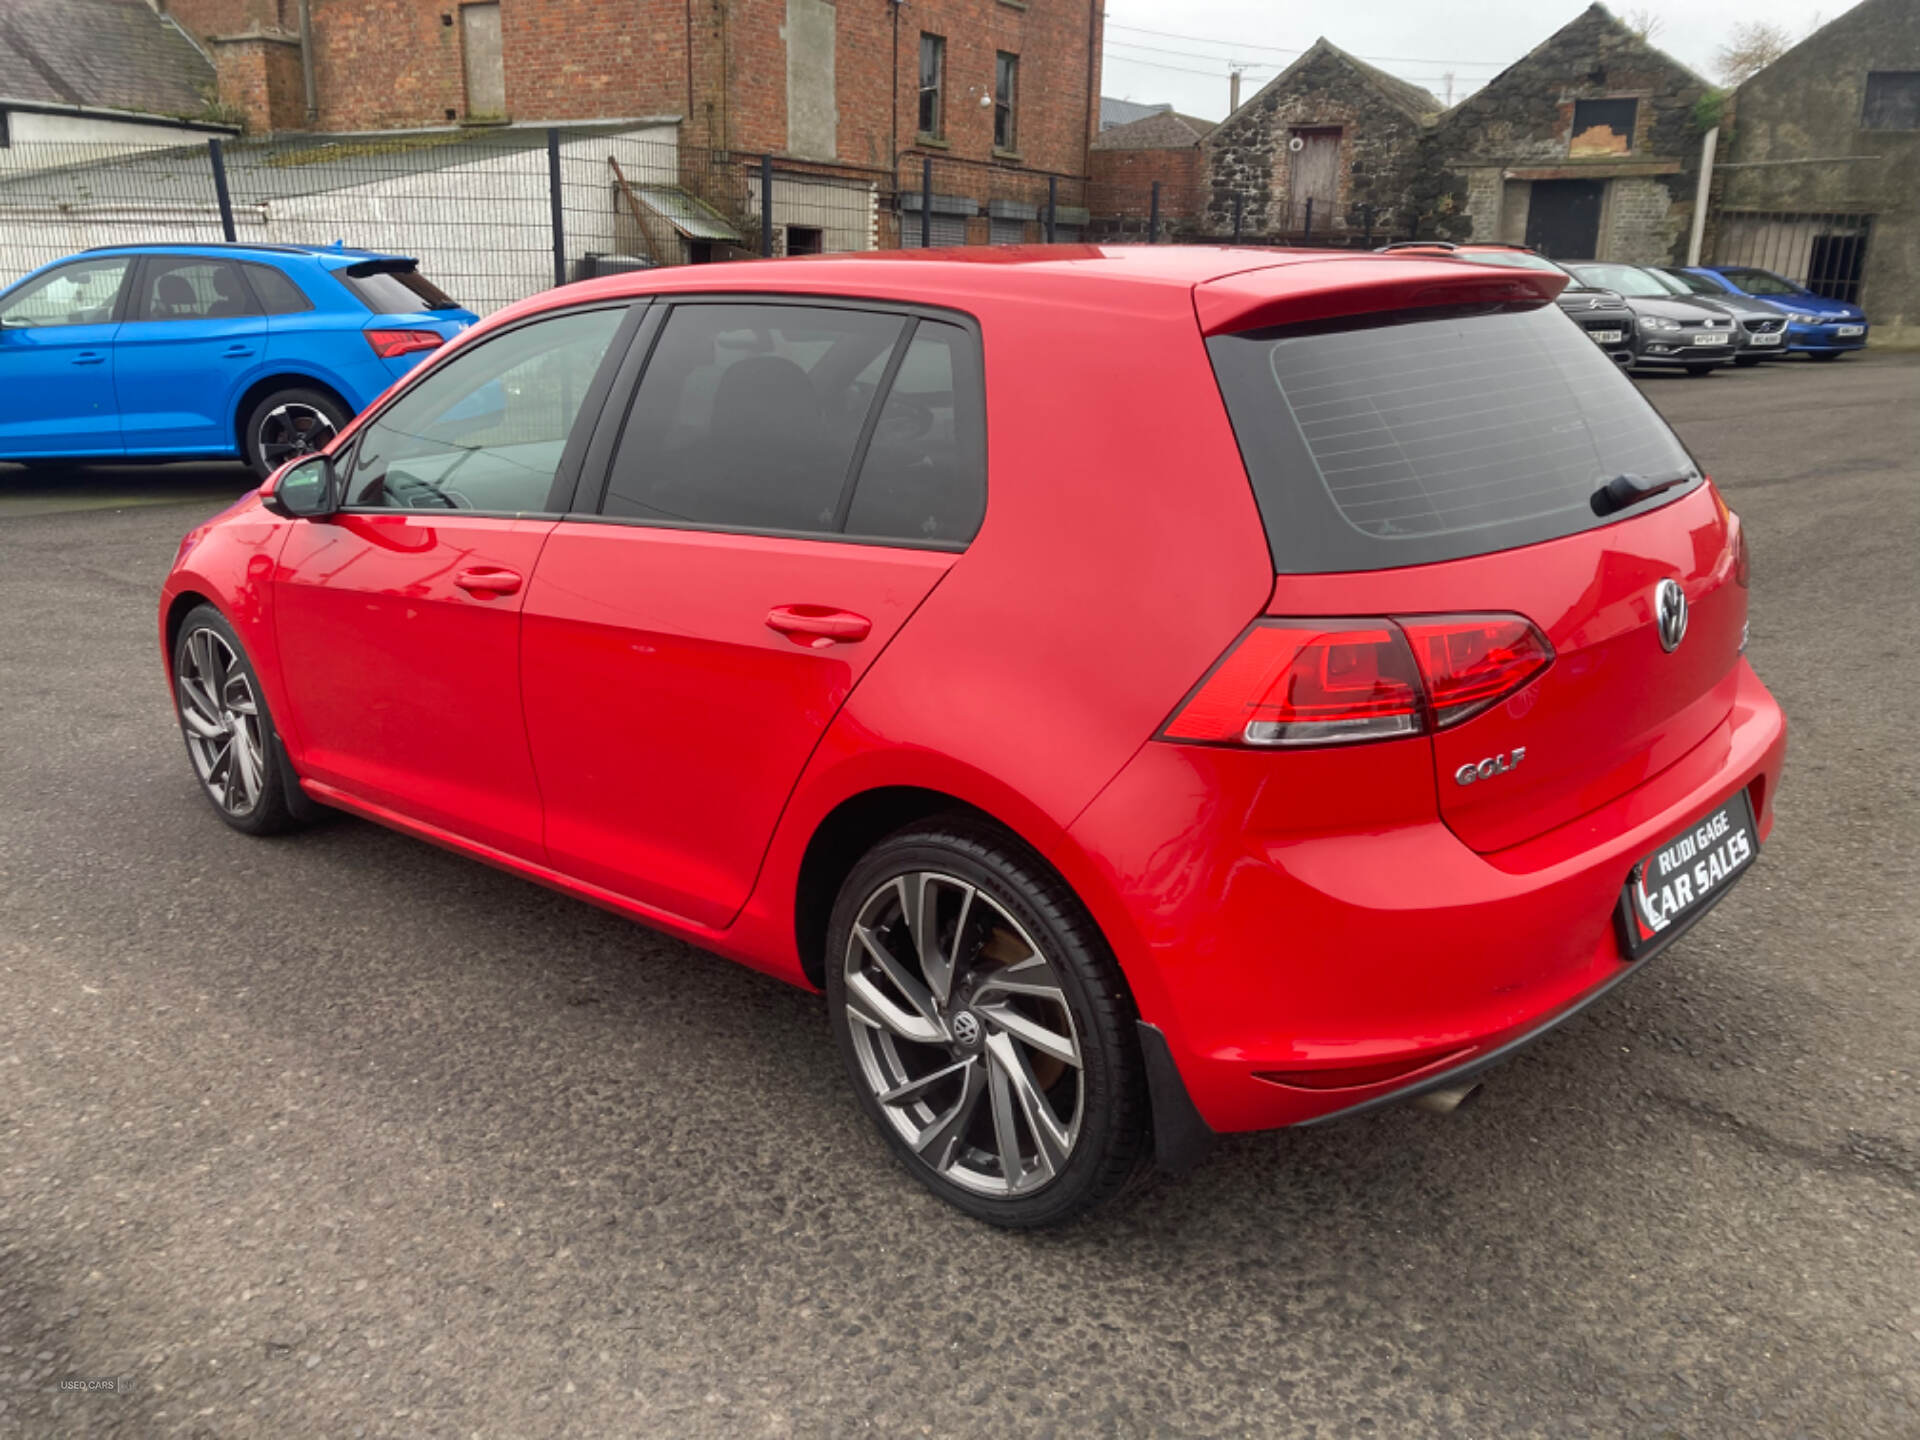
(925, 474)
(192, 287)
(82, 293)
(748, 416)
(276, 291)
(486, 429)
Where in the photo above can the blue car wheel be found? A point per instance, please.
(290, 423)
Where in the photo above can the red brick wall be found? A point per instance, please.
(1120, 186)
(395, 64)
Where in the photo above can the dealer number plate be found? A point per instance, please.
(1773, 339)
(1845, 330)
(1687, 874)
(1710, 339)
(1606, 337)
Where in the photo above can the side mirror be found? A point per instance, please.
(303, 491)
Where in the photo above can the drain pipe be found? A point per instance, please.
(306, 65)
(1707, 147)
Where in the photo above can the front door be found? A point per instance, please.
(760, 542)
(398, 618)
(1563, 218)
(193, 336)
(56, 361)
(1315, 176)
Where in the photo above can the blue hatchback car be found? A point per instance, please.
(256, 351)
(1816, 326)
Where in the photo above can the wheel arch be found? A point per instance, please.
(178, 608)
(282, 380)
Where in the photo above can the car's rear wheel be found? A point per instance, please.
(230, 736)
(288, 424)
(985, 1025)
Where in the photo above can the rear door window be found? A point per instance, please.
(277, 292)
(924, 478)
(192, 287)
(1422, 436)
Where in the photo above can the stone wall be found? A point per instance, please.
(1380, 157)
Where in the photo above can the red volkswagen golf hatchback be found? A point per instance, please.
(1153, 692)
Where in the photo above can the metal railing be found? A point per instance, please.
(1825, 252)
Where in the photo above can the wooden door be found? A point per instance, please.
(1315, 176)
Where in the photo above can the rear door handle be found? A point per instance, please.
(88, 357)
(487, 580)
(237, 352)
(817, 626)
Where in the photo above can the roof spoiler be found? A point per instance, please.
(1332, 289)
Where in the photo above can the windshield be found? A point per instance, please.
(1627, 279)
(1696, 284)
(1764, 282)
(1428, 435)
(1668, 283)
(1512, 259)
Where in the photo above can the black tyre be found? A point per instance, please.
(1826, 357)
(1747, 362)
(290, 423)
(985, 1025)
(1702, 369)
(230, 738)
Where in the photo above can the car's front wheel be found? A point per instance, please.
(985, 1025)
(1826, 356)
(229, 734)
(1702, 369)
(289, 424)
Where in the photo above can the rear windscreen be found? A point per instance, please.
(391, 289)
(1418, 436)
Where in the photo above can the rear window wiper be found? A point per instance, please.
(1624, 490)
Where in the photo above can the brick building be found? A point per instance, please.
(1130, 158)
(1006, 88)
(1332, 130)
(1588, 147)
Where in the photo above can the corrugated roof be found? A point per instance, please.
(687, 213)
(101, 54)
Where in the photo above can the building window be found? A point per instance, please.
(1603, 127)
(805, 240)
(933, 82)
(1006, 93)
(6, 137)
(1893, 100)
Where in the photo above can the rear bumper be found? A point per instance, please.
(1299, 974)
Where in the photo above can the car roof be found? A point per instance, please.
(242, 249)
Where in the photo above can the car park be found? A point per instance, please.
(832, 614)
(1818, 326)
(1671, 331)
(1603, 315)
(260, 352)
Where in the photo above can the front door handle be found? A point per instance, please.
(817, 626)
(88, 357)
(487, 580)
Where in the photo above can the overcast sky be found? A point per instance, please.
(1177, 51)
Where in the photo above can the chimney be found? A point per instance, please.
(1233, 90)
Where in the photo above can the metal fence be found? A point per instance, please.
(1827, 253)
(496, 214)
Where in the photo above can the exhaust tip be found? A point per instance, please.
(1445, 1102)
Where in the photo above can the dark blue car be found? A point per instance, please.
(1816, 326)
(255, 351)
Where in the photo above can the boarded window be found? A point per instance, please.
(480, 51)
(1893, 100)
(1603, 127)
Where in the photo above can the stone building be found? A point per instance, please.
(1329, 130)
(1822, 180)
(1588, 147)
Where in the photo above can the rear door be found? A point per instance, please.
(1427, 463)
(193, 337)
(789, 483)
(56, 360)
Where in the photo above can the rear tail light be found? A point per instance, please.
(1334, 682)
(389, 343)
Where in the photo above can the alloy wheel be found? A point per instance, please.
(221, 716)
(963, 1033)
(292, 430)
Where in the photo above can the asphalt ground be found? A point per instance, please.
(341, 1135)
